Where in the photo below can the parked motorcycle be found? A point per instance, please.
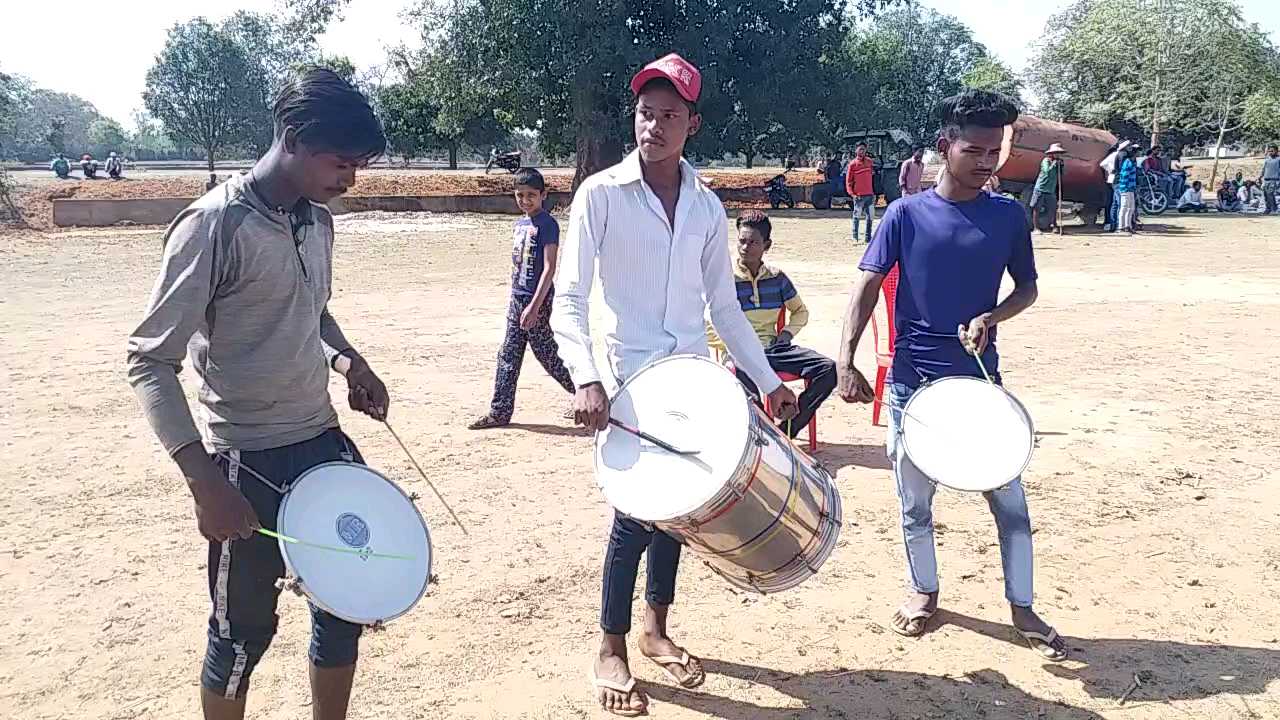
(778, 193)
(507, 161)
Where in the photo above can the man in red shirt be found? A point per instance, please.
(858, 182)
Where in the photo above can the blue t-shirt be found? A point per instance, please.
(951, 257)
(529, 242)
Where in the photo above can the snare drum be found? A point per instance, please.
(967, 434)
(350, 506)
(760, 512)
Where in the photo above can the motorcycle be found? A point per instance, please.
(778, 193)
(507, 161)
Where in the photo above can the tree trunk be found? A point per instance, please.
(213, 179)
(1217, 153)
(1155, 114)
(453, 156)
(750, 157)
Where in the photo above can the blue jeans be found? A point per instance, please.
(915, 493)
(863, 205)
(1115, 208)
(628, 540)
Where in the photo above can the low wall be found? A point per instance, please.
(160, 211)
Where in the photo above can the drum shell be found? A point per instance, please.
(774, 524)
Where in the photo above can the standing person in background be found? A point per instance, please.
(1110, 164)
(1127, 189)
(911, 172)
(1271, 178)
(859, 181)
(1044, 196)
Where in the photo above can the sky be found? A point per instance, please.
(128, 35)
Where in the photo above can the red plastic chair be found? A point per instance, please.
(785, 377)
(788, 377)
(884, 358)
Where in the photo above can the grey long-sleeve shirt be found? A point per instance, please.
(247, 304)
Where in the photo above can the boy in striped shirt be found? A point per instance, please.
(763, 291)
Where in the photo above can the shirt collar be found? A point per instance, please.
(629, 170)
(743, 273)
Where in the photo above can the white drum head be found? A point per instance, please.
(347, 505)
(691, 403)
(967, 434)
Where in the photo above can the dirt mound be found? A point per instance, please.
(36, 203)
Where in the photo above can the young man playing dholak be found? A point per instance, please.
(952, 245)
(660, 238)
(243, 289)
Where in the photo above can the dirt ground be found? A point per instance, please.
(1153, 494)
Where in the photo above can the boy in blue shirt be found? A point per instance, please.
(535, 240)
(952, 245)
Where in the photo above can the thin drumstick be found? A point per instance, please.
(978, 356)
(646, 436)
(431, 485)
(331, 548)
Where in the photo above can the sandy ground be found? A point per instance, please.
(1153, 494)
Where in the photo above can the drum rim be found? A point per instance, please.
(733, 479)
(302, 582)
(1031, 428)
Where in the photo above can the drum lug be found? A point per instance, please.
(758, 438)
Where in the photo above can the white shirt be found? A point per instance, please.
(1190, 197)
(657, 281)
(1108, 165)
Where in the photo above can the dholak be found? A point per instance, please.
(353, 507)
(761, 513)
(967, 434)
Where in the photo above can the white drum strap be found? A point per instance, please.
(254, 473)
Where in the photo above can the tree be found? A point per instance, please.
(1102, 61)
(105, 136)
(1262, 117)
(278, 49)
(204, 89)
(57, 136)
(989, 73)
(408, 116)
(904, 62)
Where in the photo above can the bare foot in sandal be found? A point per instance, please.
(615, 688)
(1039, 634)
(683, 669)
(910, 619)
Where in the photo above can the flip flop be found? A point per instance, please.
(911, 616)
(628, 687)
(690, 680)
(1043, 644)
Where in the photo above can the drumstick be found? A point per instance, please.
(646, 436)
(978, 356)
(332, 548)
(418, 467)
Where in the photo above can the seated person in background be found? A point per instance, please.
(1227, 200)
(1191, 200)
(1250, 198)
(763, 291)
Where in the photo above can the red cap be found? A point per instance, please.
(680, 72)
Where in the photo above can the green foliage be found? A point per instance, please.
(1172, 68)
(902, 64)
(1262, 117)
(105, 136)
(988, 73)
(205, 89)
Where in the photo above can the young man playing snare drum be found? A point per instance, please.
(661, 241)
(243, 289)
(952, 245)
